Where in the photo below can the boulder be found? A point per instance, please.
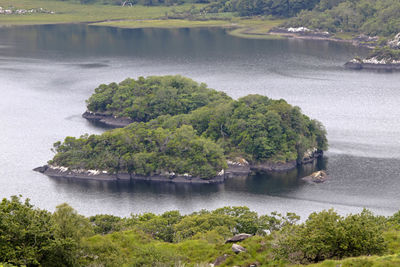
(316, 177)
(238, 238)
(238, 248)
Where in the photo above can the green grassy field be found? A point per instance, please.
(256, 28)
(75, 13)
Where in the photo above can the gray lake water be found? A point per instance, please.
(47, 72)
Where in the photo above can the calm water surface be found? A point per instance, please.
(47, 72)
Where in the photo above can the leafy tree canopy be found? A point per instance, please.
(35, 237)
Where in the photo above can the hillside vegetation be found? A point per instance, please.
(372, 17)
(345, 19)
(32, 237)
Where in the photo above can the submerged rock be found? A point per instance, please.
(316, 177)
(238, 238)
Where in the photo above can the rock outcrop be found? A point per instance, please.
(238, 238)
(395, 42)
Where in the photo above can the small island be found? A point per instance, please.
(117, 105)
(385, 58)
(183, 132)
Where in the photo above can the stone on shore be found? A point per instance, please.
(316, 177)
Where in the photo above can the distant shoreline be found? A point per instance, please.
(319, 37)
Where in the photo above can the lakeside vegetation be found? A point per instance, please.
(32, 237)
(188, 128)
(371, 17)
(343, 19)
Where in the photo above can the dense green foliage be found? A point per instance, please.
(64, 238)
(372, 17)
(254, 127)
(325, 235)
(276, 8)
(143, 150)
(147, 98)
(30, 236)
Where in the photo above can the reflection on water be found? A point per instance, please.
(47, 72)
(257, 183)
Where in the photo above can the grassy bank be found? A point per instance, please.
(165, 23)
(129, 17)
(244, 28)
(256, 28)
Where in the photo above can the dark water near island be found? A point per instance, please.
(47, 72)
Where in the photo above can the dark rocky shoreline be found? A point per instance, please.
(389, 67)
(234, 169)
(87, 175)
(106, 120)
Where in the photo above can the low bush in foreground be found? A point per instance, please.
(33, 237)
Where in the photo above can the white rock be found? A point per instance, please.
(299, 29)
(93, 172)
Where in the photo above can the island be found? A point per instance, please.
(381, 59)
(117, 105)
(183, 132)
